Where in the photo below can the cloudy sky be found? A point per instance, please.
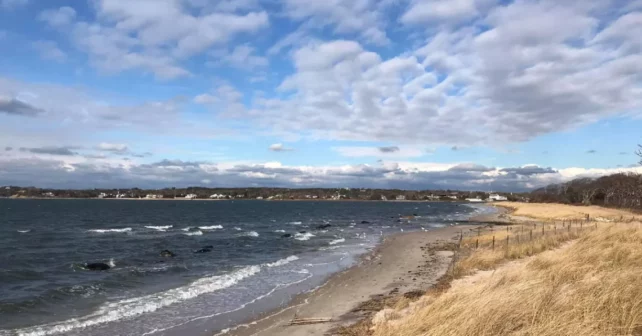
(469, 94)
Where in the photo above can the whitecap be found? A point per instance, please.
(249, 234)
(111, 263)
(194, 233)
(187, 228)
(24, 231)
(337, 241)
(282, 261)
(160, 228)
(238, 229)
(212, 227)
(123, 309)
(279, 231)
(295, 223)
(303, 236)
(110, 230)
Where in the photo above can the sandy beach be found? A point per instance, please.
(403, 263)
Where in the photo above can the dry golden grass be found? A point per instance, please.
(548, 211)
(592, 286)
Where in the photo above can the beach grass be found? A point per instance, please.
(588, 282)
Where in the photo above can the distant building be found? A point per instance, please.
(384, 198)
(153, 196)
(453, 197)
(102, 195)
(259, 198)
(218, 196)
(475, 200)
(401, 197)
(497, 198)
(190, 196)
(48, 194)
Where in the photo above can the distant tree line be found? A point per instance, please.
(619, 190)
(254, 193)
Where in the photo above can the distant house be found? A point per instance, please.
(218, 196)
(453, 197)
(401, 197)
(497, 198)
(102, 195)
(48, 194)
(475, 200)
(259, 198)
(190, 196)
(153, 196)
(384, 198)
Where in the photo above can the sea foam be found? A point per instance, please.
(211, 227)
(110, 230)
(128, 308)
(303, 236)
(194, 233)
(160, 228)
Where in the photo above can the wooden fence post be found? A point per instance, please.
(531, 235)
(493, 243)
(477, 243)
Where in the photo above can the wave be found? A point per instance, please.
(187, 228)
(212, 227)
(279, 231)
(337, 241)
(295, 223)
(303, 236)
(128, 308)
(249, 234)
(111, 263)
(24, 231)
(160, 228)
(194, 233)
(238, 229)
(282, 261)
(110, 230)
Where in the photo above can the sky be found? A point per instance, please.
(489, 95)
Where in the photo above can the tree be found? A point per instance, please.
(639, 153)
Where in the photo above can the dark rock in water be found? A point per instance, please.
(287, 235)
(365, 222)
(398, 220)
(167, 253)
(208, 247)
(97, 266)
(324, 226)
(415, 215)
(303, 232)
(204, 250)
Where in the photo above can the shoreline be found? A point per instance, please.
(402, 263)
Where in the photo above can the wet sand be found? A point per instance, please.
(401, 263)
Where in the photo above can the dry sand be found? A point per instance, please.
(402, 263)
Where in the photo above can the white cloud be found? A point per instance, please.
(49, 50)
(279, 147)
(241, 57)
(364, 17)
(75, 171)
(113, 148)
(155, 36)
(11, 4)
(381, 152)
(433, 12)
(205, 99)
(59, 17)
(520, 70)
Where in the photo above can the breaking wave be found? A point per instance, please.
(303, 236)
(212, 227)
(160, 228)
(194, 233)
(110, 230)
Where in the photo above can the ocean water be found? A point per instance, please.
(250, 266)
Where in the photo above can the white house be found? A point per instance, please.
(401, 197)
(497, 198)
(218, 196)
(475, 200)
(190, 196)
(384, 198)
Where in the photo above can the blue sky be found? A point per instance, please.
(365, 93)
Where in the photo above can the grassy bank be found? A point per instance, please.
(565, 277)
